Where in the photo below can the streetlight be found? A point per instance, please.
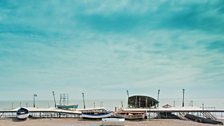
(128, 93)
(55, 105)
(83, 99)
(128, 97)
(158, 98)
(183, 98)
(34, 103)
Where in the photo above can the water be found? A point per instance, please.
(111, 104)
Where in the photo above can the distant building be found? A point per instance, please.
(138, 101)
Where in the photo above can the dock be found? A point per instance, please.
(214, 114)
(181, 109)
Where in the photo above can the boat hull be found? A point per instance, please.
(22, 117)
(22, 114)
(66, 107)
(131, 117)
(202, 120)
(96, 116)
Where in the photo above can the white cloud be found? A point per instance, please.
(68, 54)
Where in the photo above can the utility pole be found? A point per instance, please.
(34, 100)
(83, 99)
(158, 98)
(55, 105)
(183, 98)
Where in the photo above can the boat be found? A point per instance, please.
(113, 122)
(130, 115)
(63, 100)
(67, 107)
(22, 113)
(96, 113)
(167, 115)
(202, 120)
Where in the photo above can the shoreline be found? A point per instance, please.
(80, 122)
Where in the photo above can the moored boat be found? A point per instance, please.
(96, 113)
(202, 120)
(131, 115)
(22, 113)
(67, 107)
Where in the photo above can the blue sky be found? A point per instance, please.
(104, 48)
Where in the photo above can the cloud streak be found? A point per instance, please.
(86, 46)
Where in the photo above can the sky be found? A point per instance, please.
(105, 47)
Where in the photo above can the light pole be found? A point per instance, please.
(55, 105)
(83, 99)
(128, 96)
(34, 102)
(183, 98)
(158, 98)
(128, 93)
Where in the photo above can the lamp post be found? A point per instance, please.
(158, 98)
(128, 93)
(128, 97)
(83, 99)
(183, 98)
(55, 105)
(34, 100)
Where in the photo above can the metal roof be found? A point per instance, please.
(139, 101)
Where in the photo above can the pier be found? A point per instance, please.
(214, 114)
(175, 110)
(58, 113)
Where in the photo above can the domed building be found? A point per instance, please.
(139, 101)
